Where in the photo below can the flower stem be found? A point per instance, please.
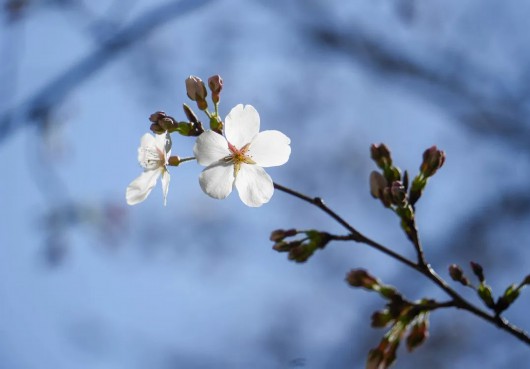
(421, 266)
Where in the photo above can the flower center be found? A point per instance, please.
(238, 157)
(150, 157)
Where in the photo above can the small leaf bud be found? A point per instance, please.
(526, 281)
(381, 318)
(509, 296)
(484, 292)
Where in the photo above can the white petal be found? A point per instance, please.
(217, 180)
(141, 187)
(254, 185)
(165, 184)
(210, 147)
(270, 149)
(147, 142)
(241, 125)
(163, 143)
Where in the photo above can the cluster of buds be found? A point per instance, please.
(299, 250)
(405, 318)
(394, 194)
(161, 122)
(484, 291)
(196, 90)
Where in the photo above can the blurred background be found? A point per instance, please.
(88, 282)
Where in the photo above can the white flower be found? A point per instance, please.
(153, 155)
(237, 160)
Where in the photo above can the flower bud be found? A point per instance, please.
(195, 88)
(381, 155)
(526, 280)
(190, 114)
(377, 184)
(399, 195)
(457, 274)
(418, 334)
(196, 91)
(433, 159)
(173, 161)
(280, 234)
(161, 122)
(478, 271)
(361, 278)
(216, 85)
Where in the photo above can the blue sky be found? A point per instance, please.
(196, 284)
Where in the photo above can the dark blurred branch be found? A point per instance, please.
(479, 99)
(54, 92)
(425, 269)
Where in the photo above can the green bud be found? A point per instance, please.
(484, 292)
(381, 318)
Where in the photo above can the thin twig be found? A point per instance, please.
(423, 268)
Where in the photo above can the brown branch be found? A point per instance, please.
(425, 269)
(54, 92)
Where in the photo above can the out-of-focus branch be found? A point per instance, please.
(479, 99)
(54, 92)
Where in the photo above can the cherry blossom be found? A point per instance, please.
(238, 158)
(153, 155)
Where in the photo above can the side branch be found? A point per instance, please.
(423, 268)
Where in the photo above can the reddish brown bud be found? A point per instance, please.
(361, 278)
(418, 334)
(381, 155)
(457, 274)
(433, 159)
(216, 85)
(478, 271)
(280, 234)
